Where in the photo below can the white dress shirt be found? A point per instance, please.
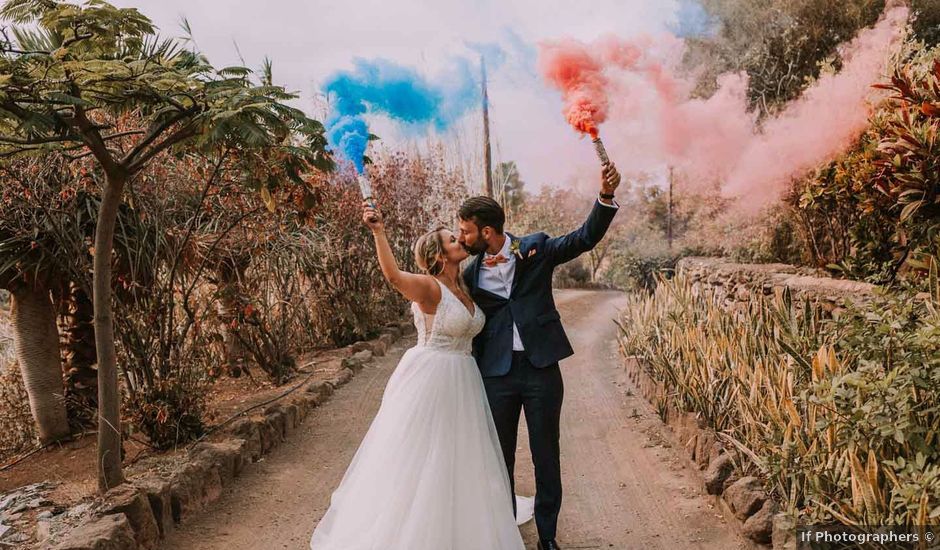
(498, 280)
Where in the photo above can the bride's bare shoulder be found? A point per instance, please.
(430, 296)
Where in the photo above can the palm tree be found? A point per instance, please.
(45, 227)
(37, 350)
(30, 270)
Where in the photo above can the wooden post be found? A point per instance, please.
(487, 157)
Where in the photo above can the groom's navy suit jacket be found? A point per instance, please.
(530, 304)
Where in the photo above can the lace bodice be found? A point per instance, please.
(452, 327)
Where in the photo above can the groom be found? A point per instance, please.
(519, 347)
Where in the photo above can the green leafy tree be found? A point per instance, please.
(68, 71)
(781, 44)
(927, 21)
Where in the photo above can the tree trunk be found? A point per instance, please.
(37, 351)
(109, 401)
(231, 273)
(81, 374)
(597, 258)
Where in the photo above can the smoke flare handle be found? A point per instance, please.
(365, 186)
(601, 151)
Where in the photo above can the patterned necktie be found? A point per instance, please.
(492, 261)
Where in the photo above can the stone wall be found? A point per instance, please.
(735, 284)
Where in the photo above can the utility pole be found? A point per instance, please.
(487, 157)
(669, 211)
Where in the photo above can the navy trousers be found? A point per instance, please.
(539, 391)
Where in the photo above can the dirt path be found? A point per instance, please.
(625, 484)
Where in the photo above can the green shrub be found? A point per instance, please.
(169, 412)
(873, 213)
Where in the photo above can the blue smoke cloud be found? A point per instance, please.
(511, 52)
(492, 52)
(383, 87)
(693, 20)
(349, 134)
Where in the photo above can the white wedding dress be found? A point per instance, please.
(429, 473)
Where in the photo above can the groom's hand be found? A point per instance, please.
(610, 180)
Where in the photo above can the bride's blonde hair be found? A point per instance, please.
(429, 255)
(429, 252)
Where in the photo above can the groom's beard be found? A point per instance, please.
(475, 249)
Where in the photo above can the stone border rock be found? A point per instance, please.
(740, 497)
(139, 513)
(733, 284)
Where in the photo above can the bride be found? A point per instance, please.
(429, 473)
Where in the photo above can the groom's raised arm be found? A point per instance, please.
(568, 247)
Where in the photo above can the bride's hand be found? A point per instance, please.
(372, 217)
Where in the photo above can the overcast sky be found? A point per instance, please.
(309, 40)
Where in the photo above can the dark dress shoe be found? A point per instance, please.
(548, 545)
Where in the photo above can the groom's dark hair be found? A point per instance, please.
(484, 212)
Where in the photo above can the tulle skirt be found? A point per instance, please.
(428, 474)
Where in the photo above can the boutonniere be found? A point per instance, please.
(514, 248)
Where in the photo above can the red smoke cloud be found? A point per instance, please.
(651, 120)
(571, 67)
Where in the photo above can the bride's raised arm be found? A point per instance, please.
(416, 287)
